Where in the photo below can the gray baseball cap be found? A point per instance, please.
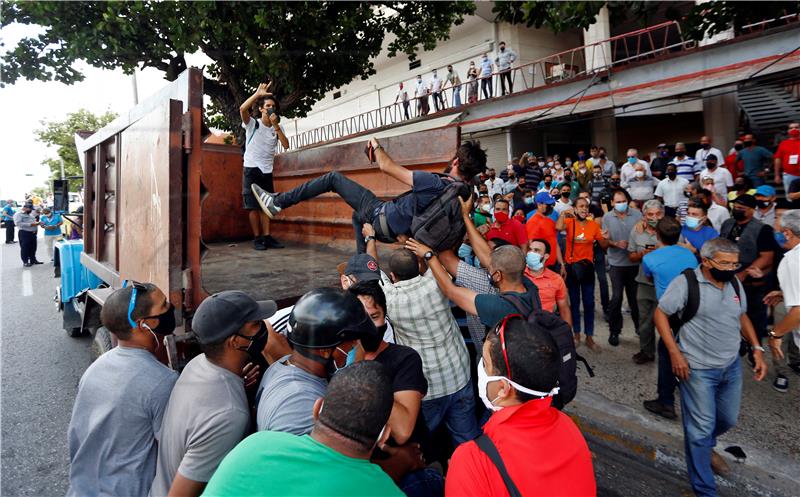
(223, 314)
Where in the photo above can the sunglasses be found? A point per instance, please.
(136, 287)
(500, 330)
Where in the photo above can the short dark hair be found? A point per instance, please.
(668, 230)
(114, 314)
(698, 202)
(358, 403)
(615, 191)
(255, 110)
(544, 242)
(371, 289)
(532, 355)
(403, 263)
(471, 159)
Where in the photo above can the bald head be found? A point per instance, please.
(510, 261)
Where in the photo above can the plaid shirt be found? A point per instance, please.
(477, 280)
(422, 320)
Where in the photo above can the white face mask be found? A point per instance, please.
(639, 174)
(483, 392)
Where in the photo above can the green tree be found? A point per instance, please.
(305, 48)
(697, 21)
(61, 136)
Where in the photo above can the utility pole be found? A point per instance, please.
(135, 89)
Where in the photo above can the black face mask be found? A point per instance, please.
(614, 183)
(764, 204)
(565, 194)
(687, 194)
(739, 215)
(738, 146)
(672, 175)
(747, 143)
(166, 322)
(493, 282)
(548, 183)
(257, 343)
(711, 165)
(372, 343)
(548, 210)
(722, 275)
(706, 146)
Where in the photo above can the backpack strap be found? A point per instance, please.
(486, 446)
(254, 133)
(693, 300)
(580, 358)
(518, 304)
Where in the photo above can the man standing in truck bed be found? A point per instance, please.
(390, 219)
(262, 134)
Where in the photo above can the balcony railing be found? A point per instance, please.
(618, 51)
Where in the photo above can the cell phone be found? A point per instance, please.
(370, 152)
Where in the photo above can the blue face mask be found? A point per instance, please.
(621, 207)
(631, 160)
(529, 200)
(568, 163)
(534, 261)
(780, 238)
(464, 251)
(692, 222)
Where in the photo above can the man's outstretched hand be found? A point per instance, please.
(263, 89)
(367, 230)
(418, 248)
(466, 206)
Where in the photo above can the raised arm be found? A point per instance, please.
(479, 244)
(261, 91)
(462, 297)
(389, 166)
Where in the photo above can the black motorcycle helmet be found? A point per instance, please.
(325, 317)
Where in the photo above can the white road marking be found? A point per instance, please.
(27, 285)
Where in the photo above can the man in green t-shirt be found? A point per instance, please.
(350, 421)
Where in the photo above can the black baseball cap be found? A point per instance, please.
(223, 314)
(363, 266)
(746, 200)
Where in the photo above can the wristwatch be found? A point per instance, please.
(369, 238)
(759, 348)
(428, 255)
(772, 334)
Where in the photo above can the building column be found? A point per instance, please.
(604, 134)
(721, 118)
(598, 56)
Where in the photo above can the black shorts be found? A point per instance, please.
(253, 175)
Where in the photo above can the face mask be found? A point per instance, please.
(687, 194)
(484, 380)
(639, 174)
(631, 160)
(652, 222)
(663, 153)
(534, 261)
(568, 163)
(794, 132)
(581, 156)
(548, 183)
(692, 222)
(492, 282)
(565, 194)
(680, 153)
(621, 207)
(780, 238)
(706, 146)
(739, 215)
(721, 275)
(541, 163)
(372, 343)
(672, 175)
(464, 251)
(598, 175)
(711, 165)
(738, 146)
(602, 156)
(502, 49)
(747, 143)
(486, 208)
(764, 204)
(257, 343)
(567, 177)
(351, 357)
(166, 322)
(529, 200)
(548, 210)
(582, 170)
(501, 216)
(614, 183)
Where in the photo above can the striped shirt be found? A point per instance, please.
(686, 167)
(422, 320)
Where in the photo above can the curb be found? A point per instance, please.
(659, 443)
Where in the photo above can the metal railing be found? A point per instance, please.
(636, 46)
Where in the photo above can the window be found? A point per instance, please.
(337, 94)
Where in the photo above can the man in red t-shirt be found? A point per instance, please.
(507, 228)
(787, 158)
(542, 450)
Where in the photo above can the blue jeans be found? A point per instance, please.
(581, 292)
(423, 483)
(457, 100)
(602, 280)
(456, 411)
(787, 181)
(710, 400)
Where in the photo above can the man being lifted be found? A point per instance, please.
(390, 219)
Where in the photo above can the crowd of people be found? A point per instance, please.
(482, 79)
(349, 391)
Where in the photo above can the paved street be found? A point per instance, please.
(41, 367)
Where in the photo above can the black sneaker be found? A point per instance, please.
(795, 367)
(27, 264)
(613, 339)
(259, 243)
(660, 409)
(272, 243)
(37, 262)
(266, 200)
(781, 383)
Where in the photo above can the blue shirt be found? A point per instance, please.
(399, 212)
(753, 159)
(697, 238)
(486, 67)
(50, 222)
(8, 213)
(664, 264)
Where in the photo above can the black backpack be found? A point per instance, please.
(440, 225)
(677, 320)
(562, 334)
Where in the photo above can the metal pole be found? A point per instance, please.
(135, 88)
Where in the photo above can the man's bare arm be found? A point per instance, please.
(479, 244)
(261, 91)
(389, 166)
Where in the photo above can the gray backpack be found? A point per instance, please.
(440, 225)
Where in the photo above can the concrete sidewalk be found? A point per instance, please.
(609, 410)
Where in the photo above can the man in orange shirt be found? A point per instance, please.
(541, 225)
(582, 232)
(552, 289)
(542, 450)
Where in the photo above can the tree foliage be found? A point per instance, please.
(305, 48)
(697, 21)
(61, 136)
